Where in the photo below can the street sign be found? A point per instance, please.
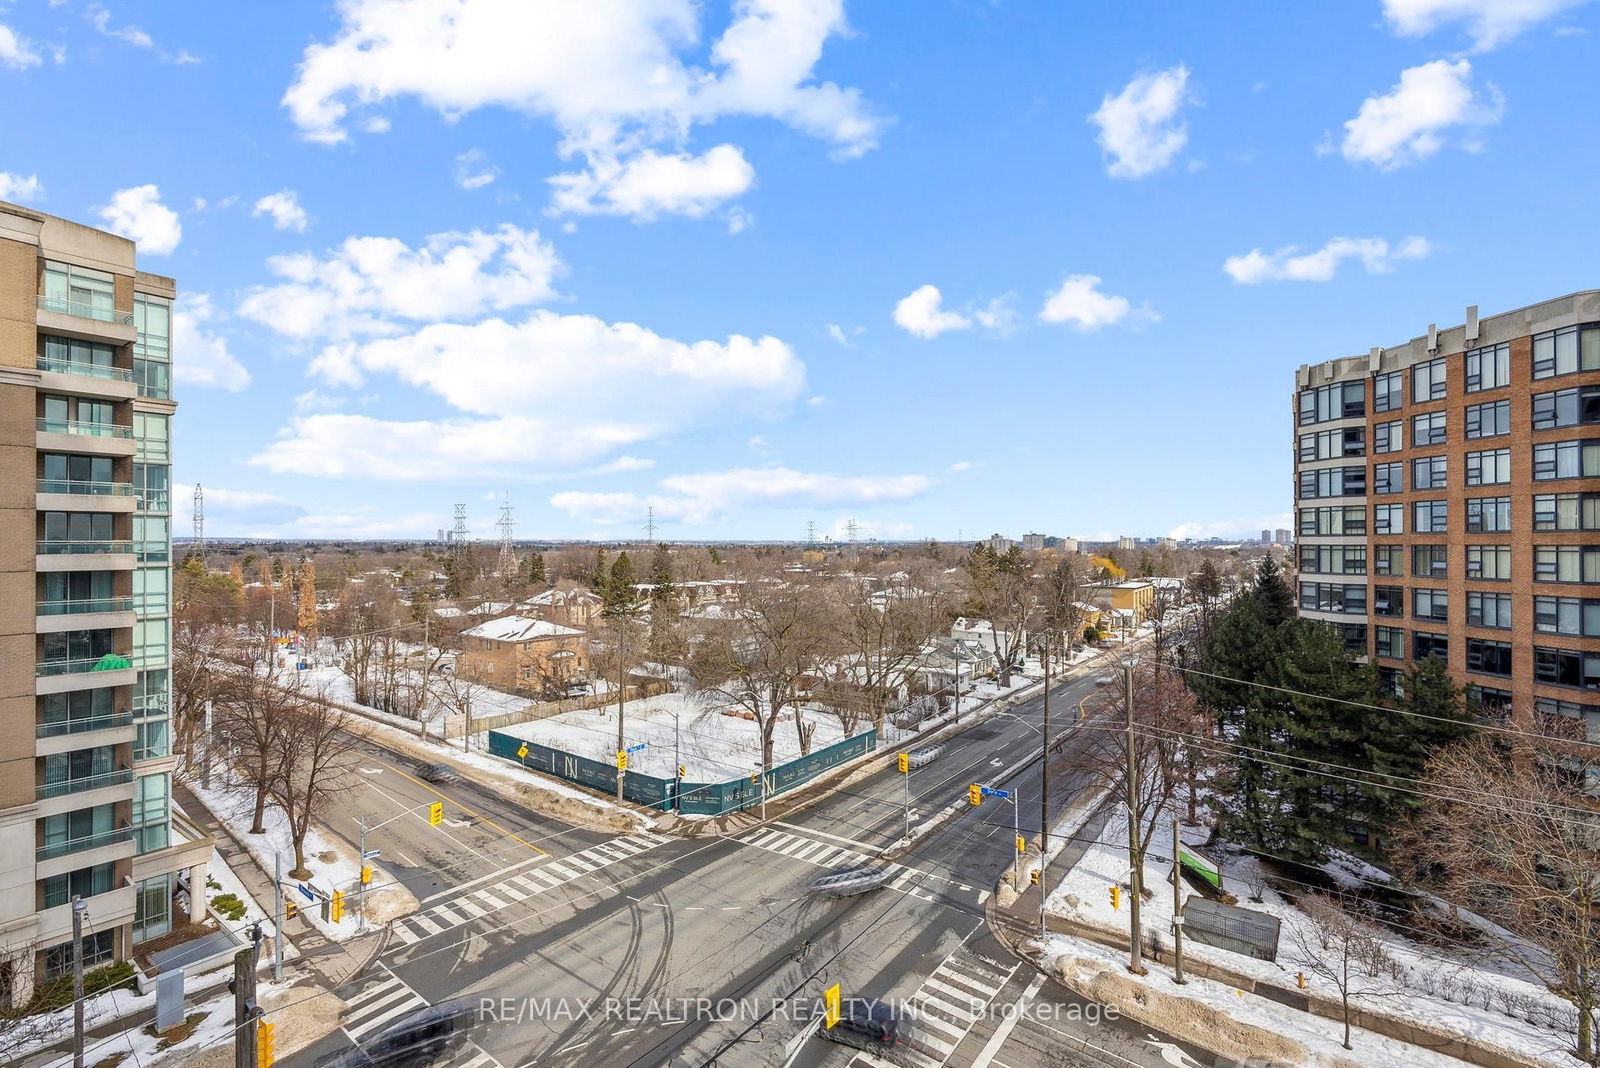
(371, 854)
(522, 750)
(1004, 795)
(636, 748)
(306, 890)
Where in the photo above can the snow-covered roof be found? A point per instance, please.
(489, 608)
(447, 612)
(520, 629)
(562, 597)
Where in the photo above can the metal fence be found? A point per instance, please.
(702, 798)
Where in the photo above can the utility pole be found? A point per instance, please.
(622, 696)
(245, 1009)
(1044, 793)
(277, 917)
(907, 778)
(361, 882)
(77, 981)
(205, 769)
(1135, 854)
(957, 644)
(1177, 909)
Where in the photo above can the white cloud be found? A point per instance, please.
(138, 214)
(474, 171)
(614, 76)
(1139, 127)
(15, 187)
(1289, 264)
(1232, 528)
(649, 184)
(555, 391)
(962, 465)
(368, 285)
(235, 510)
(100, 18)
(284, 207)
(705, 497)
(836, 332)
(997, 315)
(205, 360)
(919, 314)
(1408, 123)
(1078, 301)
(313, 401)
(16, 51)
(1488, 22)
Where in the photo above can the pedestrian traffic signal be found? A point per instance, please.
(1116, 896)
(622, 760)
(436, 814)
(974, 794)
(1033, 877)
(830, 1006)
(903, 762)
(366, 874)
(336, 907)
(266, 1044)
(1022, 846)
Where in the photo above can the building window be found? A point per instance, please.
(152, 538)
(1566, 351)
(151, 485)
(1424, 644)
(1341, 400)
(1566, 511)
(1333, 597)
(1489, 515)
(1389, 642)
(1567, 720)
(152, 908)
(1427, 430)
(79, 291)
(1566, 563)
(1332, 444)
(1489, 657)
(1388, 478)
(1488, 420)
(1334, 559)
(1388, 601)
(1388, 392)
(85, 882)
(98, 948)
(150, 740)
(1388, 519)
(1429, 561)
(1354, 637)
(1428, 381)
(81, 826)
(1489, 702)
(1334, 519)
(1566, 407)
(1566, 667)
(153, 433)
(1428, 472)
(1489, 562)
(152, 349)
(1430, 604)
(1578, 617)
(1489, 610)
(1390, 682)
(1489, 468)
(1566, 459)
(1488, 367)
(1334, 482)
(150, 815)
(1388, 560)
(1430, 517)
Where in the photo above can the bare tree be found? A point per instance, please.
(882, 633)
(253, 719)
(1503, 837)
(23, 1024)
(1060, 587)
(315, 751)
(1346, 949)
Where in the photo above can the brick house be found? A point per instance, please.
(519, 653)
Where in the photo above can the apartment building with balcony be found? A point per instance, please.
(1447, 501)
(86, 761)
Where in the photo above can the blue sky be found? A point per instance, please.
(606, 256)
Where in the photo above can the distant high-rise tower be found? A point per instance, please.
(1266, 537)
(199, 523)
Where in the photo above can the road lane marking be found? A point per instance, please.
(1003, 1032)
(468, 811)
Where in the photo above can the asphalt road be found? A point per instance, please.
(646, 950)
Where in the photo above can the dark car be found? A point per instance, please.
(872, 1026)
(423, 1038)
(847, 881)
(437, 773)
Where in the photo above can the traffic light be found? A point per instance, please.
(366, 874)
(1022, 846)
(336, 906)
(266, 1044)
(830, 1006)
(683, 771)
(974, 794)
(903, 762)
(290, 908)
(1033, 877)
(622, 760)
(1116, 896)
(755, 777)
(436, 814)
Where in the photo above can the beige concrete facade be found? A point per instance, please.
(1492, 557)
(85, 763)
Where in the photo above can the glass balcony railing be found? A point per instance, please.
(52, 850)
(78, 548)
(83, 429)
(49, 668)
(93, 489)
(57, 728)
(87, 782)
(90, 370)
(85, 311)
(154, 704)
(84, 606)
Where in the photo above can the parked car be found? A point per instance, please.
(846, 882)
(925, 756)
(872, 1026)
(425, 1037)
(439, 773)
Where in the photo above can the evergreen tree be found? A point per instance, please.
(619, 596)
(455, 582)
(1400, 745)
(421, 604)
(661, 575)
(1147, 564)
(599, 575)
(1273, 594)
(716, 557)
(537, 576)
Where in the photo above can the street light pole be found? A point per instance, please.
(277, 917)
(361, 883)
(1177, 909)
(77, 981)
(1135, 854)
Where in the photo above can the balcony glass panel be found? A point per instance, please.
(88, 782)
(85, 606)
(83, 428)
(78, 845)
(57, 728)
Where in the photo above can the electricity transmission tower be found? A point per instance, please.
(508, 552)
(200, 522)
(650, 525)
(811, 532)
(458, 535)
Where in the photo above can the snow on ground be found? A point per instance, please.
(332, 863)
(708, 738)
(1084, 895)
(255, 911)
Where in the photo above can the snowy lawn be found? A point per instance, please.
(1442, 992)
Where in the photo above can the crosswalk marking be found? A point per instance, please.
(379, 1004)
(827, 855)
(551, 873)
